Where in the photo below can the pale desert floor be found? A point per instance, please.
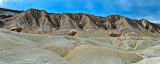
(24, 48)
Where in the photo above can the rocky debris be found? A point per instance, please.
(46, 23)
(115, 35)
(73, 33)
(49, 34)
(16, 29)
(87, 54)
(29, 31)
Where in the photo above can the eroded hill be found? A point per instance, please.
(42, 21)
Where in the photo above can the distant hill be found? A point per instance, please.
(6, 13)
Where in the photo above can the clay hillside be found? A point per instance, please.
(42, 21)
(6, 13)
(38, 37)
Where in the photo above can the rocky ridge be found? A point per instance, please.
(6, 13)
(42, 21)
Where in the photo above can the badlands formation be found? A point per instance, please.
(37, 37)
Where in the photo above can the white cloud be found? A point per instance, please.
(68, 3)
(6, 3)
(89, 5)
(149, 17)
(153, 19)
(126, 5)
(158, 12)
(1, 2)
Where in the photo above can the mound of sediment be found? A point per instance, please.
(16, 52)
(155, 50)
(21, 47)
(87, 54)
(155, 60)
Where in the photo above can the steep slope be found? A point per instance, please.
(128, 25)
(1, 24)
(44, 22)
(6, 13)
(31, 19)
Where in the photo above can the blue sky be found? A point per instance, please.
(135, 9)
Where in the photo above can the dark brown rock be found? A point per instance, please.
(115, 35)
(16, 29)
(73, 33)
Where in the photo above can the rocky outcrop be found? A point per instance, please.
(31, 19)
(90, 33)
(1, 24)
(6, 13)
(16, 29)
(46, 22)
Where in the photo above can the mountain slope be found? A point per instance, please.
(45, 22)
(6, 13)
